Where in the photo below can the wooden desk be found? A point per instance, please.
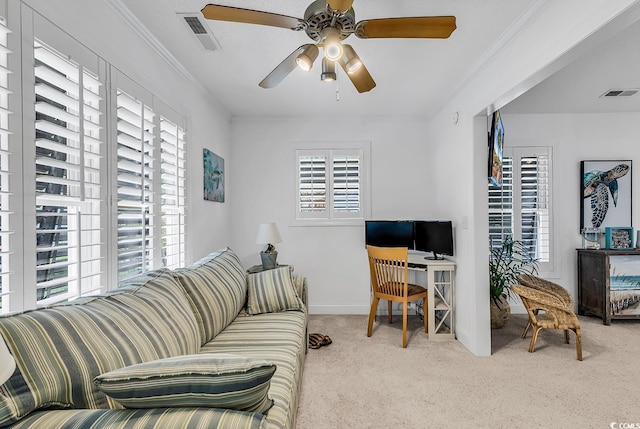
(440, 293)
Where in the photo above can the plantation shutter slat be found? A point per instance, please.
(6, 249)
(135, 187)
(68, 177)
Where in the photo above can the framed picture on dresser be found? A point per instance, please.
(605, 194)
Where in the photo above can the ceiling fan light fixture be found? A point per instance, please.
(328, 70)
(331, 43)
(352, 61)
(307, 57)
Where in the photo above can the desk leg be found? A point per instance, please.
(430, 310)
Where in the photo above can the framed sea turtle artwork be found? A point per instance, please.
(605, 188)
(213, 176)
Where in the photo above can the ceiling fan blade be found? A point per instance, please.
(282, 70)
(437, 27)
(340, 5)
(249, 16)
(360, 78)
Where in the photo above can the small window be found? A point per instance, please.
(521, 207)
(331, 184)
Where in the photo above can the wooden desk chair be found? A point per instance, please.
(389, 280)
(547, 311)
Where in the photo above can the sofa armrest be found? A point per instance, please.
(300, 284)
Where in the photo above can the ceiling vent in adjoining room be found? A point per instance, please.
(620, 93)
(198, 27)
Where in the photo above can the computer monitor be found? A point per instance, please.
(389, 233)
(434, 236)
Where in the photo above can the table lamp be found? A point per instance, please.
(268, 234)
(7, 363)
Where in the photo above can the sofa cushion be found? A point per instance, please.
(216, 288)
(205, 380)
(147, 418)
(60, 349)
(271, 291)
(276, 337)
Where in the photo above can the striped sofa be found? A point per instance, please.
(206, 346)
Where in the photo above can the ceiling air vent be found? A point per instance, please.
(198, 27)
(620, 93)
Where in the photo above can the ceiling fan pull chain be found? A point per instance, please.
(337, 91)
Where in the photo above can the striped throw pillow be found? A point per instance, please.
(217, 380)
(271, 291)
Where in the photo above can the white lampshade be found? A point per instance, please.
(7, 364)
(268, 233)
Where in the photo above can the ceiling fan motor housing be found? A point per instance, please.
(318, 16)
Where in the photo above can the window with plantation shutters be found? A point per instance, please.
(522, 206)
(6, 252)
(330, 184)
(68, 177)
(135, 186)
(172, 193)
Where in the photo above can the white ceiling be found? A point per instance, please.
(413, 76)
(578, 87)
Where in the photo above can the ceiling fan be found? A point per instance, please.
(327, 23)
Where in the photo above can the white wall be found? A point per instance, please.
(102, 30)
(332, 258)
(575, 138)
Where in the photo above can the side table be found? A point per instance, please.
(258, 268)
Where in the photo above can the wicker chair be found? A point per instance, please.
(550, 287)
(556, 315)
(389, 280)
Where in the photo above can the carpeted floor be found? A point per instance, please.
(361, 382)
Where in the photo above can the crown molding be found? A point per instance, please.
(519, 26)
(136, 25)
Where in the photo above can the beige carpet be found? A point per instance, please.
(361, 382)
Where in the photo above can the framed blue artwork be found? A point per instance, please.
(213, 176)
(605, 194)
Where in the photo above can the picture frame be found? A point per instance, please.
(605, 194)
(213, 176)
(496, 148)
(618, 237)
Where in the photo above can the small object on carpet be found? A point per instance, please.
(318, 340)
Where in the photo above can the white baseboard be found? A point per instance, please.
(339, 309)
(357, 309)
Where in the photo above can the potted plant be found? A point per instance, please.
(506, 263)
